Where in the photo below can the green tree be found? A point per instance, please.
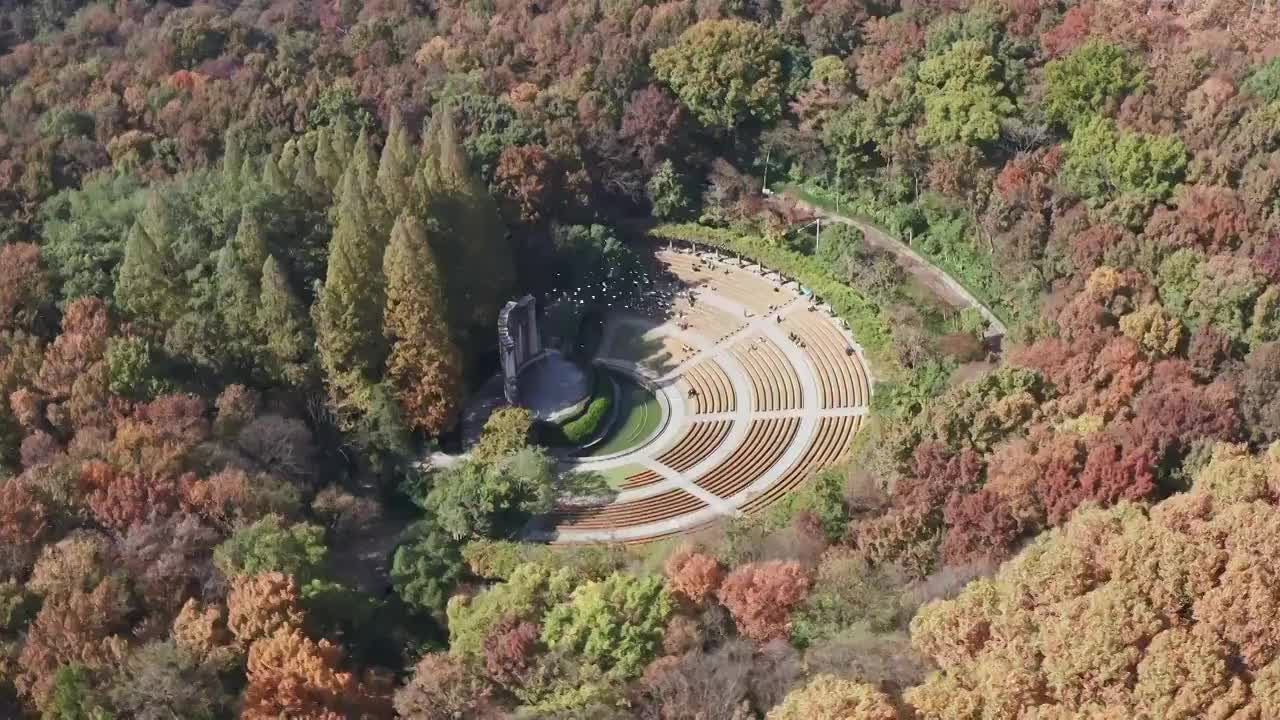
(1103, 162)
(147, 283)
(85, 230)
(727, 72)
(963, 94)
(72, 697)
(238, 276)
(1265, 81)
(506, 431)
(132, 371)
(473, 498)
(233, 156)
(592, 257)
(425, 568)
(270, 545)
(1083, 82)
(273, 178)
(669, 193)
(17, 607)
(1177, 279)
(348, 313)
(1265, 324)
(283, 325)
(471, 243)
(838, 245)
(615, 623)
(396, 167)
(1226, 287)
(305, 175)
(423, 367)
(364, 164)
(329, 165)
(527, 594)
(848, 594)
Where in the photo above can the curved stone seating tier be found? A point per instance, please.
(712, 387)
(640, 479)
(655, 508)
(713, 351)
(843, 383)
(829, 445)
(697, 446)
(774, 382)
(764, 445)
(699, 442)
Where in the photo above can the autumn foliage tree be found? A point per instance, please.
(761, 596)
(693, 576)
(423, 366)
(290, 674)
(1142, 611)
(827, 696)
(258, 605)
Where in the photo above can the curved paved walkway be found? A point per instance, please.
(932, 276)
(622, 329)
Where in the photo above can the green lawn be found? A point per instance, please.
(638, 416)
(615, 476)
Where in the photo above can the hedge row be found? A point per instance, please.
(583, 427)
(863, 316)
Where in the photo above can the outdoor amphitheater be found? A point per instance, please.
(760, 386)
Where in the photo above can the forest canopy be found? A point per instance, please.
(251, 259)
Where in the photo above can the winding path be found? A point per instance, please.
(930, 275)
(794, 389)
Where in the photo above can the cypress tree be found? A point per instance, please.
(250, 243)
(424, 367)
(364, 166)
(396, 166)
(472, 243)
(288, 158)
(305, 177)
(232, 154)
(273, 176)
(248, 174)
(328, 163)
(282, 323)
(348, 313)
(342, 136)
(237, 291)
(146, 285)
(236, 281)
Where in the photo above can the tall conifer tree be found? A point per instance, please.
(472, 242)
(288, 158)
(273, 177)
(232, 154)
(146, 286)
(424, 367)
(238, 275)
(328, 163)
(306, 178)
(364, 165)
(282, 323)
(348, 313)
(395, 168)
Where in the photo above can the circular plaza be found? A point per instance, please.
(759, 387)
